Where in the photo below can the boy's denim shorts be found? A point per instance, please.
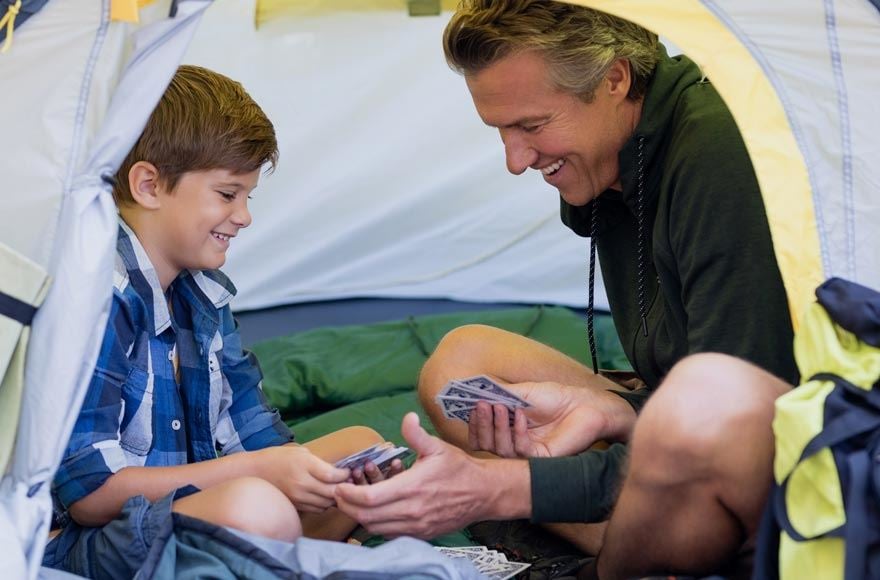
(118, 549)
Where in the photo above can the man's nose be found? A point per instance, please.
(520, 155)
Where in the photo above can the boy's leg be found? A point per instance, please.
(476, 349)
(249, 504)
(700, 470)
(333, 524)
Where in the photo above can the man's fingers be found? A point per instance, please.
(522, 442)
(373, 473)
(485, 427)
(502, 435)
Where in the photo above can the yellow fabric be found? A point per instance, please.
(761, 118)
(814, 500)
(819, 559)
(26, 281)
(273, 9)
(127, 10)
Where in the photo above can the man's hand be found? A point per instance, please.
(309, 481)
(444, 490)
(562, 420)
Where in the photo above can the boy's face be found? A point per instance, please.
(200, 217)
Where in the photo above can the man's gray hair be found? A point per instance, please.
(578, 43)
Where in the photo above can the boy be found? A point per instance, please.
(172, 388)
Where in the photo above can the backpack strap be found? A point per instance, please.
(856, 531)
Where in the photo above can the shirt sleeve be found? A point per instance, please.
(580, 488)
(247, 422)
(94, 453)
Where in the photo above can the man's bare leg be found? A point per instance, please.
(476, 349)
(700, 470)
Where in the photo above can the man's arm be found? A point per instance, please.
(445, 490)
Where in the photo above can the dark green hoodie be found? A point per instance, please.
(710, 278)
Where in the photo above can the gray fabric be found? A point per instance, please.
(191, 548)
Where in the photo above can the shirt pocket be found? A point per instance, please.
(136, 428)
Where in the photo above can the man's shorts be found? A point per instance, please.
(118, 549)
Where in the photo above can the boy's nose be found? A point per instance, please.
(242, 216)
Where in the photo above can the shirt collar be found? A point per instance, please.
(210, 288)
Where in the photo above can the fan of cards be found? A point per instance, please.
(488, 562)
(460, 397)
(380, 454)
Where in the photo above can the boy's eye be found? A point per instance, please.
(226, 195)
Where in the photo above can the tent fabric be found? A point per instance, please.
(90, 108)
(23, 285)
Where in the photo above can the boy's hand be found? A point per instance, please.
(372, 474)
(309, 481)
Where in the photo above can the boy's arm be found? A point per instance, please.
(307, 480)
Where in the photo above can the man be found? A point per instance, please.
(649, 164)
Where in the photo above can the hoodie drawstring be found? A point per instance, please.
(640, 219)
(640, 248)
(591, 337)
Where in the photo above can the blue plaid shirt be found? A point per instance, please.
(134, 413)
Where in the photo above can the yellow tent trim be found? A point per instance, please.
(271, 9)
(126, 10)
(779, 165)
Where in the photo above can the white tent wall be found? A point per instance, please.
(389, 184)
(73, 125)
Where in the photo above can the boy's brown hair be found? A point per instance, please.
(203, 121)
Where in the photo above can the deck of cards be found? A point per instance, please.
(380, 454)
(488, 562)
(459, 397)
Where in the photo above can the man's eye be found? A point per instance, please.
(531, 128)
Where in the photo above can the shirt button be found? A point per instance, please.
(170, 355)
(175, 424)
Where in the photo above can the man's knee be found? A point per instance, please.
(706, 404)
(252, 505)
(459, 347)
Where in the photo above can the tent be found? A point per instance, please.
(388, 184)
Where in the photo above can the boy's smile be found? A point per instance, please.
(191, 227)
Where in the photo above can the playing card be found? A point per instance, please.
(488, 562)
(484, 384)
(381, 455)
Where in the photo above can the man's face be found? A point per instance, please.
(201, 216)
(573, 143)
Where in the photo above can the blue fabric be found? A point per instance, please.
(118, 549)
(852, 306)
(134, 412)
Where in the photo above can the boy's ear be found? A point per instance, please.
(143, 182)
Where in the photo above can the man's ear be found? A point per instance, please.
(618, 79)
(143, 182)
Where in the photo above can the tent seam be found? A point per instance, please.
(796, 129)
(846, 140)
(85, 89)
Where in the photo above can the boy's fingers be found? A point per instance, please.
(503, 439)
